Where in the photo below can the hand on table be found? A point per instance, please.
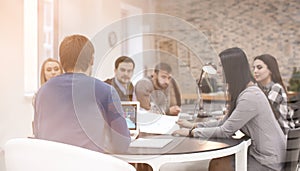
(181, 132)
(185, 124)
(174, 110)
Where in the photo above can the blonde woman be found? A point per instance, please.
(50, 68)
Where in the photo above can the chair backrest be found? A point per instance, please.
(293, 150)
(41, 155)
(294, 104)
(296, 118)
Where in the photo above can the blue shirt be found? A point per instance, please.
(76, 109)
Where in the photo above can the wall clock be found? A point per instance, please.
(112, 38)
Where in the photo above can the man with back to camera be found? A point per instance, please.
(159, 91)
(78, 109)
(124, 67)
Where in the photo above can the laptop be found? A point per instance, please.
(131, 109)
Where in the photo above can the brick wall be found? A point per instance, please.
(256, 26)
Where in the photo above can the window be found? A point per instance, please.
(47, 30)
(40, 39)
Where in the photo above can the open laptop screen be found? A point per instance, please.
(130, 109)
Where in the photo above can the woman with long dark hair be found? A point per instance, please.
(267, 75)
(249, 112)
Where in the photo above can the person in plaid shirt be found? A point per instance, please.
(267, 75)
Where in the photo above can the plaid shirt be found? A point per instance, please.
(278, 99)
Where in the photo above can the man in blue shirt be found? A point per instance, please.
(78, 109)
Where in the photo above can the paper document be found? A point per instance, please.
(157, 123)
(150, 143)
(186, 116)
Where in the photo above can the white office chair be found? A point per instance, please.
(41, 155)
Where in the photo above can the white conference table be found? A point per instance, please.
(184, 149)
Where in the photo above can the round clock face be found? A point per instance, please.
(112, 38)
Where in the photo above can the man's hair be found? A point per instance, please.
(162, 66)
(123, 59)
(76, 53)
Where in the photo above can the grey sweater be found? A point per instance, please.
(254, 117)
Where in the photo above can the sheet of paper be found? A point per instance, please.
(157, 123)
(150, 143)
(186, 116)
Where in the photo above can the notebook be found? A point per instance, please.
(131, 109)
